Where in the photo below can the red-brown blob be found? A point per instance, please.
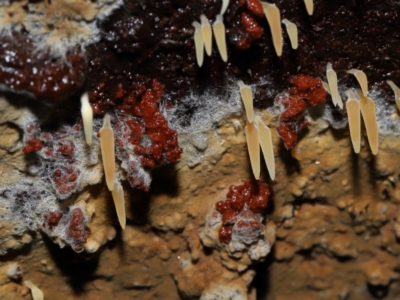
(52, 80)
(76, 229)
(225, 234)
(308, 88)
(32, 145)
(304, 90)
(255, 7)
(64, 178)
(254, 31)
(239, 198)
(52, 219)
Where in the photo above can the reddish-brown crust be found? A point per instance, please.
(49, 79)
(304, 90)
(76, 229)
(241, 197)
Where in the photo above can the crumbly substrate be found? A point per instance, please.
(198, 224)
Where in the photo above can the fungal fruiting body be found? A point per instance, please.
(291, 29)
(253, 146)
(206, 33)
(326, 87)
(333, 85)
(37, 294)
(396, 92)
(304, 90)
(273, 16)
(368, 113)
(119, 202)
(362, 80)
(219, 33)
(87, 117)
(108, 151)
(247, 98)
(198, 43)
(353, 113)
(241, 212)
(309, 6)
(265, 138)
(224, 6)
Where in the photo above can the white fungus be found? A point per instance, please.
(87, 117)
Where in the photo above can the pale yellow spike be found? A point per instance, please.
(198, 43)
(362, 80)
(333, 85)
(353, 114)
(247, 98)
(37, 294)
(291, 29)
(371, 124)
(326, 87)
(119, 202)
(396, 92)
(267, 147)
(224, 7)
(273, 16)
(87, 118)
(309, 6)
(219, 33)
(206, 33)
(253, 147)
(108, 151)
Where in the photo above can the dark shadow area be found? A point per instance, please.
(355, 184)
(300, 201)
(13, 254)
(261, 281)
(164, 181)
(291, 164)
(372, 169)
(378, 291)
(79, 268)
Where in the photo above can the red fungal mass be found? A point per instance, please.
(164, 147)
(50, 80)
(240, 198)
(76, 229)
(255, 7)
(308, 88)
(32, 145)
(143, 118)
(53, 218)
(64, 178)
(304, 90)
(253, 29)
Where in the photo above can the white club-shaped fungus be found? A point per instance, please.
(353, 114)
(326, 87)
(108, 151)
(224, 6)
(219, 33)
(119, 202)
(247, 98)
(309, 6)
(206, 32)
(253, 147)
(265, 139)
(198, 43)
(362, 80)
(291, 29)
(333, 85)
(368, 113)
(37, 294)
(87, 117)
(273, 16)
(396, 92)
